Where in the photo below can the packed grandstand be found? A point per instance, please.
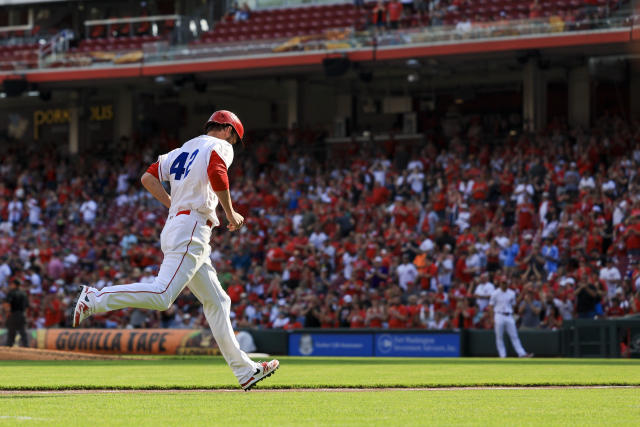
(374, 226)
(392, 235)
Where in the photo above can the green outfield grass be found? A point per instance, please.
(559, 407)
(55, 406)
(212, 372)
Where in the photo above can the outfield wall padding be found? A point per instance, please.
(270, 341)
(129, 341)
(482, 343)
(616, 337)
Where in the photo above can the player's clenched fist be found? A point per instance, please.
(235, 221)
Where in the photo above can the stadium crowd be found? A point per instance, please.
(382, 235)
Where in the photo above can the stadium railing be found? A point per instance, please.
(336, 41)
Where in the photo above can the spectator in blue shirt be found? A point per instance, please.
(508, 255)
(550, 254)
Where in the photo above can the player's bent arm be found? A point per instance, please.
(154, 186)
(235, 219)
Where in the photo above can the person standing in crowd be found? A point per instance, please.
(587, 297)
(502, 302)
(15, 305)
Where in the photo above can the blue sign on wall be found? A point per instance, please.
(330, 344)
(417, 345)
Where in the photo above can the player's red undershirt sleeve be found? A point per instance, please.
(153, 170)
(217, 171)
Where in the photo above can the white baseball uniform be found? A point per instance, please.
(502, 303)
(185, 243)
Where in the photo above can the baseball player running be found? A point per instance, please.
(502, 301)
(197, 173)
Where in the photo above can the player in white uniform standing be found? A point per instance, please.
(502, 301)
(197, 173)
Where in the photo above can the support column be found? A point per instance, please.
(343, 116)
(293, 104)
(579, 97)
(74, 122)
(634, 90)
(534, 97)
(123, 115)
(74, 129)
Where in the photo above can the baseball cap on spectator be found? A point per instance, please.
(567, 280)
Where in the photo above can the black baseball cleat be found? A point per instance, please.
(263, 370)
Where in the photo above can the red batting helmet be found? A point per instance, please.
(227, 118)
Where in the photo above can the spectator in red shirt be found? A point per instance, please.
(394, 9)
(413, 312)
(357, 316)
(619, 305)
(275, 259)
(553, 320)
(376, 314)
(398, 314)
(463, 315)
(235, 292)
(379, 15)
(632, 234)
(535, 10)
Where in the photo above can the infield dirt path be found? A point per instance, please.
(305, 390)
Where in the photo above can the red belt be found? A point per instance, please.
(209, 223)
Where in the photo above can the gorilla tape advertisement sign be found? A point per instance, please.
(129, 341)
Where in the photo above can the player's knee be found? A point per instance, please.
(166, 302)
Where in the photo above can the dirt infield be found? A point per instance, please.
(306, 390)
(21, 353)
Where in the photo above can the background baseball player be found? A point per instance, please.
(15, 304)
(197, 173)
(502, 301)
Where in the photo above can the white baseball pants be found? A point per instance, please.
(500, 323)
(185, 243)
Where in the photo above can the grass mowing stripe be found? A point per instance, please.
(170, 387)
(442, 407)
(213, 373)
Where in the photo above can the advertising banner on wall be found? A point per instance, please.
(129, 341)
(417, 345)
(301, 344)
(372, 343)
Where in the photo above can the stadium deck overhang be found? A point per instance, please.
(625, 41)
